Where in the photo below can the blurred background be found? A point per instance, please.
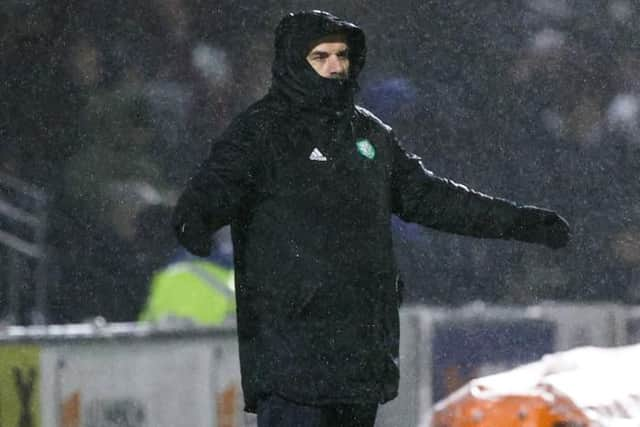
(107, 107)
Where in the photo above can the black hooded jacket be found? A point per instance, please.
(308, 182)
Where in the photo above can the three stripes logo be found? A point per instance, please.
(317, 156)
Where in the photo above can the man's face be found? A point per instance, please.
(329, 56)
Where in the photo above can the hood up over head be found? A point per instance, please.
(296, 79)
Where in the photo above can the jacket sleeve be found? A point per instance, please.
(419, 196)
(218, 190)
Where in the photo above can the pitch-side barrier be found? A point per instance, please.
(141, 375)
(583, 387)
(120, 375)
(442, 349)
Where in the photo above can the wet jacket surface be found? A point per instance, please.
(316, 288)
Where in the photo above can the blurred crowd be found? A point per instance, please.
(109, 106)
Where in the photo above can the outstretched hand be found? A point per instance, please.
(543, 226)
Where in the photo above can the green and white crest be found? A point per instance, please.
(365, 148)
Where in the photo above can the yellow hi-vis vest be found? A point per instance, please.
(197, 290)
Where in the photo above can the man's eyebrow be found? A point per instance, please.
(319, 53)
(325, 53)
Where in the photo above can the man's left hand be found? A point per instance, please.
(543, 226)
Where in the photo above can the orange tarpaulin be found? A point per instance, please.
(584, 387)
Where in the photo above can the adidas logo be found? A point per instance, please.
(317, 156)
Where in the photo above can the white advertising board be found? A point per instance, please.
(134, 384)
(131, 375)
(228, 393)
(583, 324)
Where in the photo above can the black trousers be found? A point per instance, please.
(275, 411)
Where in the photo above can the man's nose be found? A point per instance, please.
(335, 65)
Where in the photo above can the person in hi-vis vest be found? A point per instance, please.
(196, 290)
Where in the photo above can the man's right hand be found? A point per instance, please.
(192, 233)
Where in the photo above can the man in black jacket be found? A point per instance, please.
(308, 182)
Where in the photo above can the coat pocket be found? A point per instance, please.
(305, 298)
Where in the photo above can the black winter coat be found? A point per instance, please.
(308, 183)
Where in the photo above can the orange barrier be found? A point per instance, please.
(584, 387)
(538, 409)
